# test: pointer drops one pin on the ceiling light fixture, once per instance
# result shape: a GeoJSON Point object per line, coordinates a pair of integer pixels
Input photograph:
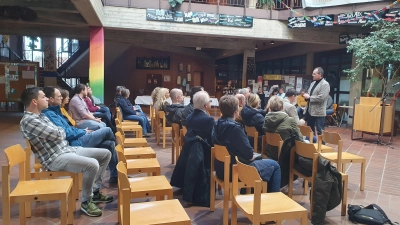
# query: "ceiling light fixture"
{"type": "Point", "coordinates": [256, 47]}
{"type": "Point", "coordinates": [272, 42]}
{"type": "Point", "coordinates": [198, 48]}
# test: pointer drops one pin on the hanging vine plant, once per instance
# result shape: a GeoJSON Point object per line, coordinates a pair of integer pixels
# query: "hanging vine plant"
{"type": "Point", "coordinates": [175, 3]}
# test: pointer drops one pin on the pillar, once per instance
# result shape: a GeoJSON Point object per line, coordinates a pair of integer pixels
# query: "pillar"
{"type": "Point", "coordinates": [310, 63]}
{"type": "Point", "coordinates": [355, 90]}
{"type": "Point", "coordinates": [252, 4]}
{"type": "Point", "coordinates": [249, 59]}
{"type": "Point", "coordinates": [49, 60]}
{"type": "Point", "coordinates": [96, 62]}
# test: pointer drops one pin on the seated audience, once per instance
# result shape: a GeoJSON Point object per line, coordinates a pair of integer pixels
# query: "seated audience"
{"type": "Point", "coordinates": [289, 108]}
{"type": "Point", "coordinates": [80, 112]}
{"type": "Point", "coordinates": [100, 112]}
{"type": "Point", "coordinates": [301, 103]}
{"type": "Point", "coordinates": [277, 121]}
{"type": "Point", "coordinates": [162, 102]}
{"type": "Point", "coordinates": [190, 107]}
{"type": "Point", "coordinates": [101, 138]}
{"type": "Point", "coordinates": [153, 96]}
{"type": "Point", "coordinates": [192, 170]}
{"type": "Point", "coordinates": [54, 153]}
{"type": "Point", "coordinates": [245, 92]}
{"type": "Point", "coordinates": [117, 95]}
{"type": "Point", "coordinates": [329, 105]}
{"type": "Point", "coordinates": [242, 103]}
{"type": "Point", "coordinates": [174, 111]}
{"type": "Point", "coordinates": [65, 101]}
{"type": "Point", "coordinates": [131, 112]}
{"type": "Point", "coordinates": [229, 133]}
{"type": "Point", "coordinates": [281, 92]}
{"type": "Point", "coordinates": [261, 95]}
{"type": "Point", "coordinates": [252, 117]}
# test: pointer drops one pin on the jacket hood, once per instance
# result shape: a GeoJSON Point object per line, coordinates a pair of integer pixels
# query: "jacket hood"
{"type": "Point", "coordinates": [274, 119]}
{"type": "Point", "coordinates": [247, 112]}
{"type": "Point", "coordinates": [223, 127]}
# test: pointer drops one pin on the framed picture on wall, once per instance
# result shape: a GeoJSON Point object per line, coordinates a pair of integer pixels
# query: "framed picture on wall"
{"type": "Point", "coordinates": [152, 63]}
{"type": "Point", "coordinates": [188, 68]}
{"type": "Point", "coordinates": [167, 78]}
{"type": "Point", "coordinates": [189, 77]}
{"type": "Point", "coordinates": [180, 67]}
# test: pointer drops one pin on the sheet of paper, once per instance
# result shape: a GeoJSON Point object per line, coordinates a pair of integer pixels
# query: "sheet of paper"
{"type": "Point", "coordinates": [292, 80]}
{"type": "Point", "coordinates": [299, 84]}
{"type": "Point", "coordinates": [287, 79]}
{"type": "Point", "coordinates": [13, 68]}
{"type": "Point", "coordinates": [28, 75]}
{"type": "Point", "coordinates": [2, 79]}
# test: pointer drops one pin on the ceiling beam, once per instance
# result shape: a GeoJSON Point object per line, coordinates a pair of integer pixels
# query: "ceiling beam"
{"type": "Point", "coordinates": [65, 18]}
{"type": "Point", "coordinates": [91, 10]}
{"type": "Point", "coordinates": [44, 4]}
{"type": "Point", "coordinates": [174, 49]}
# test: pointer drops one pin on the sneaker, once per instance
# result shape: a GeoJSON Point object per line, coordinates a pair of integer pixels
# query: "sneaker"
{"type": "Point", "coordinates": [146, 135]}
{"type": "Point", "coordinates": [99, 197]}
{"type": "Point", "coordinates": [90, 209]}
{"type": "Point", "coordinates": [113, 180]}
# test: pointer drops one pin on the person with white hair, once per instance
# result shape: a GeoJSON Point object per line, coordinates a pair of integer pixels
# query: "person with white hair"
{"type": "Point", "coordinates": [245, 92]}
{"type": "Point", "coordinates": [174, 111]}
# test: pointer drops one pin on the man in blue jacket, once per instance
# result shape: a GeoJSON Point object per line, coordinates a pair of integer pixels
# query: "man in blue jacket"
{"type": "Point", "coordinates": [102, 137]}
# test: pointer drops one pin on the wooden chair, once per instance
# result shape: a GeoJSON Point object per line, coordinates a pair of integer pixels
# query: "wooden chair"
{"type": "Point", "coordinates": [136, 166]}
{"type": "Point", "coordinates": [175, 139]}
{"type": "Point", "coordinates": [333, 118]}
{"type": "Point", "coordinates": [165, 212]}
{"type": "Point", "coordinates": [137, 129]}
{"type": "Point", "coordinates": [131, 142]}
{"type": "Point", "coordinates": [163, 127]}
{"type": "Point", "coordinates": [307, 131]}
{"type": "Point", "coordinates": [142, 187]}
{"type": "Point", "coordinates": [273, 139]}
{"type": "Point", "coordinates": [307, 150]}
{"type": "Point", "coordinates": [340, 157]}
{"type": "Point", "coordinates": [33, 190]}
{"type": "Point", "coordinates": [135, 153]}
{"type": "Point", "coordinates": [252, 132]}
{"type": "Point", "coordinates": [221, 154]}
{"type": "Point", "coordinates": [120, 117]}
{"type": "Point", "coordinates": [260, 206]}
{"type": "Point", "coordinates": [152, 116]}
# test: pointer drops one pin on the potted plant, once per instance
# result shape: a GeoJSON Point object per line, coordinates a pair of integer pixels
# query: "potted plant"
{"type": "Point", "coordinates": [266, 4]}
{"type": "Point", "coordinates": [174, 3]}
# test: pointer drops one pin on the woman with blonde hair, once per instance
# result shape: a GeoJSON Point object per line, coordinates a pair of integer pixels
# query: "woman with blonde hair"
{"type": "Point", "coordinates": [163, 95]}
{"type": "Point", "coordinates": [154, 94]}
{"type": "Point", "coordinates": [252, 116]}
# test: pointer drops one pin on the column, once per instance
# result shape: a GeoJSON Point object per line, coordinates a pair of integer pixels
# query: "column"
{"type": "Point", "coordinates": [249, 59]}
{"type": "Point", "coordinates": [49, 60]}
{"type": "Point", "coordinates": [96, 61]}
{"type": "Point", "coordinates": [355, 90]}
{"type": "Point", "coordinates": [310, 63]}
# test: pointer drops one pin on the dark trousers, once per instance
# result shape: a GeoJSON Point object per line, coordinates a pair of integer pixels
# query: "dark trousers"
{"type": "Point", "coordinates": [314, 121]}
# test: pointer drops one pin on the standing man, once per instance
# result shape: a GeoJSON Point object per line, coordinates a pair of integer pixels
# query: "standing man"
{"type": "Point", "coordinates": [80, 112]}
{"type": "Point", "coordinates": [174, 111]}
{"type": "Point", "coordinates": [317, 97]}
{"type": "Point", "coordinates": [54, 153]}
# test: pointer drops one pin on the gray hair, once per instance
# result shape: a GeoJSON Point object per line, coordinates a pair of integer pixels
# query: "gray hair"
{"type": "Point", "coordinates": [320, 70]}
{"type": "Point", "coordinates": [275, 103]}
{"type": "Point", "coordinates": [243, 91]}
{"type": "Point", "coordinates": [200, 99]}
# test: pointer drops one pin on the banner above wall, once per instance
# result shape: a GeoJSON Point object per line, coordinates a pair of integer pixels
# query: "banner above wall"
{"type": "Point", "coordinates": [327, 3]}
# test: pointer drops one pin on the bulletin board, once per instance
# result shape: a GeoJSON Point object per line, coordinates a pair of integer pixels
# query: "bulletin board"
{"type": "Point", "coordinates": [14, 78]}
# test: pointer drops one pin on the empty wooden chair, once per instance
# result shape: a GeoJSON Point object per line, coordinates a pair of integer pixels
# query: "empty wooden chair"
{"type": "Point", "coordinates": [162, 126]}
{"type": "Point", "coordinates": [252, 132]}
{"type": "Point", "coordinates": [260, 206]}
{"type": "Point", "coordinates": [340, 157]}
{"type": "Point", "coordinates": [220, 153]}
{"type": "Point", "coordinates": [168, 212]}
{"type": "Point", "coordinates": [131, 142]}
{"type": "Point", "coordinates": [135, 153]}
{"type": "Point", "coordinates": [307, 150]}
{"type": "Point", "coordinates": [175, 139]}
{"type": "Point", "coordinates": [137, 129]}
{"type": "Point", "coordinates": [135, 166]}
{"type": "Point", "coordinates": [33, 190]}
{"type": "Point", "coordinates": [308, 132]}
{"type": "Point", "coordinates": [272, 139]}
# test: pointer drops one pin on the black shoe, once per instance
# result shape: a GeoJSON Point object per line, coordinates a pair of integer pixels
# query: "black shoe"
{"type": "Point", "coordinates": [113, 180]}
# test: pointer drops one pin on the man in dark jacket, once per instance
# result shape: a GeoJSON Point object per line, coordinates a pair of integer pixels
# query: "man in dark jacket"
{"type": "Point", "coordinates": [174, 111]}
{"type": "Point", "coordinates": [102, 137]}
{"type": "Point", "coordinates": [190, 107]}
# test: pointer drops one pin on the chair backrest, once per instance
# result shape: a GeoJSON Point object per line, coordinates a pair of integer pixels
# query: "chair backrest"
{"type": "Point", "coordinates": [120, 116]}
{"type": "Point", "coordinates": [273, 139]}
{"type": "Point", "coordinates": [120, 154]}
{"type": "Point", "coordinates": [306, 131]}
{"type": "Point", "coordinates": [335, 139]}
{"type": "Point", "coordinates": [305, 150]}
{"type": "Point", "coordinates": [120, 138]}
{"type": "Point", "coordinates": [175, 132]}
{"type": "Point", "coordinates": [15, 155]}
{"type": "Point", "coordinates": [334, 108]}
{"type": "Point", "coordinates": [119, 129]}
{"type": "Point", "coordinates": [184, 129]}
{"type": "Point", "coordinates": [117, 121]}
{"type": "Point", "coordinates": [221, 154]}
{"type": "Point", "coordinates": [161, 115]}
{"type": "Point", "coordinates": [252, 132]}
{"type": "Point", "coordinates": [124, 193]}
{"type": "Point", "coordinates": [152, 113]}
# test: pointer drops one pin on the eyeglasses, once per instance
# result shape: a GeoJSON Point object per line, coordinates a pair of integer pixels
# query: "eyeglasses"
{"type": "Point", "coordinates": [210, 101]}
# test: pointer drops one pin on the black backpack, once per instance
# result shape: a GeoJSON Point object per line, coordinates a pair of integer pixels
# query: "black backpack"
{"type": "Point", "coordinates": [370, 215]}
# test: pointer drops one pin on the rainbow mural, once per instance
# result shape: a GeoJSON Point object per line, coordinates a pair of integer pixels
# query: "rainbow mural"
{"type": "Point", "coordinates": [96, 62]}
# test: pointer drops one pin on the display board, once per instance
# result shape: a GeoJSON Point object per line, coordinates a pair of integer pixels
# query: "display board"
{"type": "Point", "coordinates": [14, 78]}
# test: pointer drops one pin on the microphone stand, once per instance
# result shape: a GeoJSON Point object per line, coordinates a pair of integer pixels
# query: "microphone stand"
{"type": "Point", "coordinates": [383, 101]}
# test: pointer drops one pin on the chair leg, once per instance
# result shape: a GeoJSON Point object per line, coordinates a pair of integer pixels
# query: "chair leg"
{"type": "Point", "coordinates": [173, 151]}
{"type": "Point", "coordinates": [290, 185]}
{"type": "Point", "coordinates": [170, 195]}
{"type": "Point", "coordinates": [22, 219]}
{"type": "Point", "coordinates": [212, 195]}
{"type": "Point", "coordinates": [345, 180]}
{"type": "Point", "coordinates": [304, 219]}
{"type": "Point", "coordinates": [63, 210]}
{"type": "Point", "coordinates": [278, 222]}
{"type": "Point", "coordinates": [305, 189]}
{"type": "Point", "coordinates": [233, 213]}
{"type": "Point", "coordinates": [71, 206]}
{"type": "Point", "coordinates": [226, 206]}
{"type": "Point", "coordinates": [363, 164]}
{"type": "Point", "coordinates": [163, 141]}
{"type": "Point", "coordinates": [28, 209]}
{"type": "Point", "coordinates": [6, 208]}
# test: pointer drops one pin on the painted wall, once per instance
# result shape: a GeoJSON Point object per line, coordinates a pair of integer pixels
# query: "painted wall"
{"type": "Point", "coordinates": [123, 72]}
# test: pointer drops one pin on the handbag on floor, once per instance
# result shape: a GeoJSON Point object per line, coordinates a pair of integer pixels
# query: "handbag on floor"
{"type": "Point", "coordinates": [370, 215]}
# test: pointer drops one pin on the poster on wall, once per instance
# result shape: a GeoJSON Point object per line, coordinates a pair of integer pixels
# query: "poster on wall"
{"type": "Point", "coordinates": [327, 3]}
{"type": "Point", "coordinates": [178, 80]}
{"type": "Point", "coordinates": [292, 80]}
{"type": "Point", "coordinates": [147, 63]}
{"type": "Point", "coordinates": [299, 83]}
{"type": "Point", "coordinates": [259, 79]}
{"type": "Point", "coordinates": [189, 77]}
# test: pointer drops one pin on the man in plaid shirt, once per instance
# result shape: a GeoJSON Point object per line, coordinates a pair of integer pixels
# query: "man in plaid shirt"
{"type": "Point", "coordinates": [54, 153]}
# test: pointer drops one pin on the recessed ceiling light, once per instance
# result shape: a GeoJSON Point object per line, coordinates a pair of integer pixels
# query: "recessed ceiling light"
{"type": "Point", "coordinates": [272, 42]}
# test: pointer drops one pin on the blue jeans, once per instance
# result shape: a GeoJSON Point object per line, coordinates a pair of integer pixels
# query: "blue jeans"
{"type": "Point", "coordinates": [91, 162]}
{"type": "Point", "coordinates": [105, 115]}
{"type": "Point", "coordinates": [300, 112]}
{"type": "Point", "coordinates": [314, 121]}
{"type": "Point", "coordinates": [91, 125]}
{"type": "Point", "coordinates": [269, 171]}
{"type": "Point", "coordinates": [102, 138]}
{"type": "Point", "coordinates": [140, 119]}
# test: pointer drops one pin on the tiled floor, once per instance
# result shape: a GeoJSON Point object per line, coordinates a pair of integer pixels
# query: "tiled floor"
{"type": "Point", "coordinates": [381, 185]}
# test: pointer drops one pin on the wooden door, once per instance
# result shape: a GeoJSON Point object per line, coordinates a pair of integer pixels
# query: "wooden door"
{"type": "Point", "coordinates": [197, 79]}
{"type": "Point", "coordinates": [153, 81]}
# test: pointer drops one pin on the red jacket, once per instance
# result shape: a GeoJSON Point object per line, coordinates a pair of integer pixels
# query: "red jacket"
{"type": "Point", "coordinates": [89, 103]}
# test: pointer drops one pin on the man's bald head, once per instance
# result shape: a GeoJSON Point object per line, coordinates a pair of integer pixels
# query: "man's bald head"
{"type": "Point", "coordinates": [176, 96]}
{"type": "Point", "coordinates": [242, 99]}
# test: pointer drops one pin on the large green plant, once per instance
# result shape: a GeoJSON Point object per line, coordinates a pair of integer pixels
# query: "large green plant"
{"type": "Point", "coordinates": [377, 51]}
{"type": "Point", "coordinates": [173, 3]}
{"type": "Point", "coordinates": [268, 4]}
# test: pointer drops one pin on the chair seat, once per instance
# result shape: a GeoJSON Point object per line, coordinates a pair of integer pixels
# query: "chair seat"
{"type": "Point", "coordinates": [324, 148]}
{"type": "Point", "coordinates": [135, 166]}
{"type": "Point", "coordinates": [346, 157]}
{"type": "Point", "coordinates": [158, 212]}
{"type": "Point", "coordinates": [41, 189]}
{"type": "Point", "coordinates": [127, 127]}
{"type": "Point", "coordinates": [127, 122]}
{"type": "Point", "coordinates": [139, 153]}
{"type": "Point", "coordinates": [135, 142]}
{"type": "Point", "coordinates": [149, 186]}
{"type": "Point", "coordinates": [271, 203]}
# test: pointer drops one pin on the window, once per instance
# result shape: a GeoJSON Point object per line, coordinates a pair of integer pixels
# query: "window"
{"type": "Point", "coordinates": [33, 49]}
{"type": "Point", "coordinates": [65, 48]}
